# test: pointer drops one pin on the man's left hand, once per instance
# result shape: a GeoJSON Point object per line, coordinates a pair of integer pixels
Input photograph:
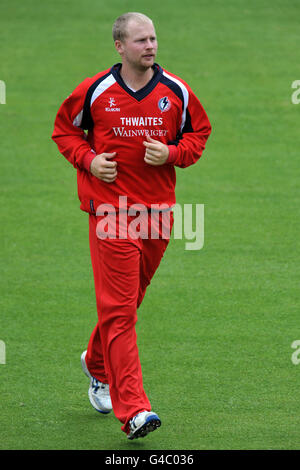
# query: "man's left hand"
{"type": "Point", "coordinates": [156, 152]}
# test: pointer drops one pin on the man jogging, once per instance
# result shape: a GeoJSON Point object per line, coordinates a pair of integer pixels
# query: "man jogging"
{"type": "Point", "coordinates": [125, 130]}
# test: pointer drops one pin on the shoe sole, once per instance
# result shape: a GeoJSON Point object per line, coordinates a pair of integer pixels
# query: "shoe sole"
{"type": "Point", "coordinates": [151, 424]}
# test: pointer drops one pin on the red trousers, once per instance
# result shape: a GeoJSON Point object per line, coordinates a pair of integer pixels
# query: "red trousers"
{"type": "Point", "coordinates": [123, 268]}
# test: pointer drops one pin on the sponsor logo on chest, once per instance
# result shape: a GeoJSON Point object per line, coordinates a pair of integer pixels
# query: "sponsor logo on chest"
{"type": "Point", "coordinates": [135, 126]}
{"type": "Point", "coordinates": [140, 126]}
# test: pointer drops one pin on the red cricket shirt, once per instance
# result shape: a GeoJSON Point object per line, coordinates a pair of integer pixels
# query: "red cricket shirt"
{"type": "Point", "coordinates": [118, 119]}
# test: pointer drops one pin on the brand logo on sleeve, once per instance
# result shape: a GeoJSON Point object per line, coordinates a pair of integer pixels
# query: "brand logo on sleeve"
{"type": "Point", "coordinates": [164, 104]}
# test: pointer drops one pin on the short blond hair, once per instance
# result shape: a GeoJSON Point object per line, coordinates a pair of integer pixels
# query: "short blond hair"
{"type": "Point", "coordinates": [119, 29]}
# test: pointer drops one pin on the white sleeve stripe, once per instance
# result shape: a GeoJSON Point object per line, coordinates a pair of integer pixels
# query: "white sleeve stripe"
{"type": "Point", "coordinates": [185, 94]}
{"type": "Point", "coordinates": [78, 120]}
{"type": "Point", "coordinates": [103, 86]}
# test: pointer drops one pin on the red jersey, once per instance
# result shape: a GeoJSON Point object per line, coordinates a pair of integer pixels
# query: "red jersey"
{"type": "Point", "coordinates": [117, 119]}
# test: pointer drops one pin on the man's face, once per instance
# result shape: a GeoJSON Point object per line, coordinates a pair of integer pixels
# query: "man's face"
{"type": "Point", "coordinates": [139, 47]}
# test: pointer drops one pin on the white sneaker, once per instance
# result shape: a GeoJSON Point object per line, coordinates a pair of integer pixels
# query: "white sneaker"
{"type": "Point", "coordinates": [98, 392]}
{"type": "Point", "coordinates": [143, 423]}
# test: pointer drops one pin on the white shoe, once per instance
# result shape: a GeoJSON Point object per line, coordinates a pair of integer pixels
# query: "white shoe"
{"type": "Point", "coordinates": [98, 392]}
{"type": "Point", "coordinates": [143, 423]}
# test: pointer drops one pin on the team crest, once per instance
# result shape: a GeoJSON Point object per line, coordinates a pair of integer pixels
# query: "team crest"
{"type": "Point", "coordinates": [164, 104]}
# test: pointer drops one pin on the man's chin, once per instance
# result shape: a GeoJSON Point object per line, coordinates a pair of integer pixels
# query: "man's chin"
{"type": "Point", "coordinates": [147, 63]}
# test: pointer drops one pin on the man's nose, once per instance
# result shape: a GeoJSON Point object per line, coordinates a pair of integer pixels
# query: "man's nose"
{"type": "Point", "coordinates": [149, 44]}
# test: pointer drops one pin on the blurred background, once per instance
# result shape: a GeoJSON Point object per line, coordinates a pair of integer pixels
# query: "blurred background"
{"type": "Point", "coordinates": [216, 327]}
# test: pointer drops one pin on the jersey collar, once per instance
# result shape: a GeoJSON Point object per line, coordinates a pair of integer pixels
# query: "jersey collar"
{"type": "Point", "coordinates": [143, 92]}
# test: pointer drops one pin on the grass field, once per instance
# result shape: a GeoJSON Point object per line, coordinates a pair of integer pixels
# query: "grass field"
{"type": "Point", "coordinates": [216, 327]}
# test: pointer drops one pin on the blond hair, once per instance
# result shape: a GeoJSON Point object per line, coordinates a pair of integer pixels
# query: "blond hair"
{"type": "Point", "coordinates": [119, 29]}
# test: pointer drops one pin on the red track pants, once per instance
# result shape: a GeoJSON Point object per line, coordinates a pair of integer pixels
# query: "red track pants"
{"type": "Point", "coordinates": [123, 268]}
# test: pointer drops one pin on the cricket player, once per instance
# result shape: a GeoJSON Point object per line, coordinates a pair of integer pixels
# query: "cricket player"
{"type": "Point", "coordinates": [125, 130]}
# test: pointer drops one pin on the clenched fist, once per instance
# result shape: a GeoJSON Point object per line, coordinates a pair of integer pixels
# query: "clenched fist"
{"type": "Point", "coordinates": [156, 152]}
{"type": "Point", "coordinates": [103, 168]}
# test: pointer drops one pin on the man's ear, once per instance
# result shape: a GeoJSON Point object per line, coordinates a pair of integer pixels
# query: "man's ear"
{"type": "Point", "coordinates": [119, 46]}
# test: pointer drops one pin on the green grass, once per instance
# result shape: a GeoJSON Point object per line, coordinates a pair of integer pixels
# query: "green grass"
{"type": "Point", "coordinates": [216, 327]}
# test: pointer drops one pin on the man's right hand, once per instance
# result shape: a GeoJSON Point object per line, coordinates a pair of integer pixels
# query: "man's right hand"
{"type": "Point", "coordinates": [103, 168]}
